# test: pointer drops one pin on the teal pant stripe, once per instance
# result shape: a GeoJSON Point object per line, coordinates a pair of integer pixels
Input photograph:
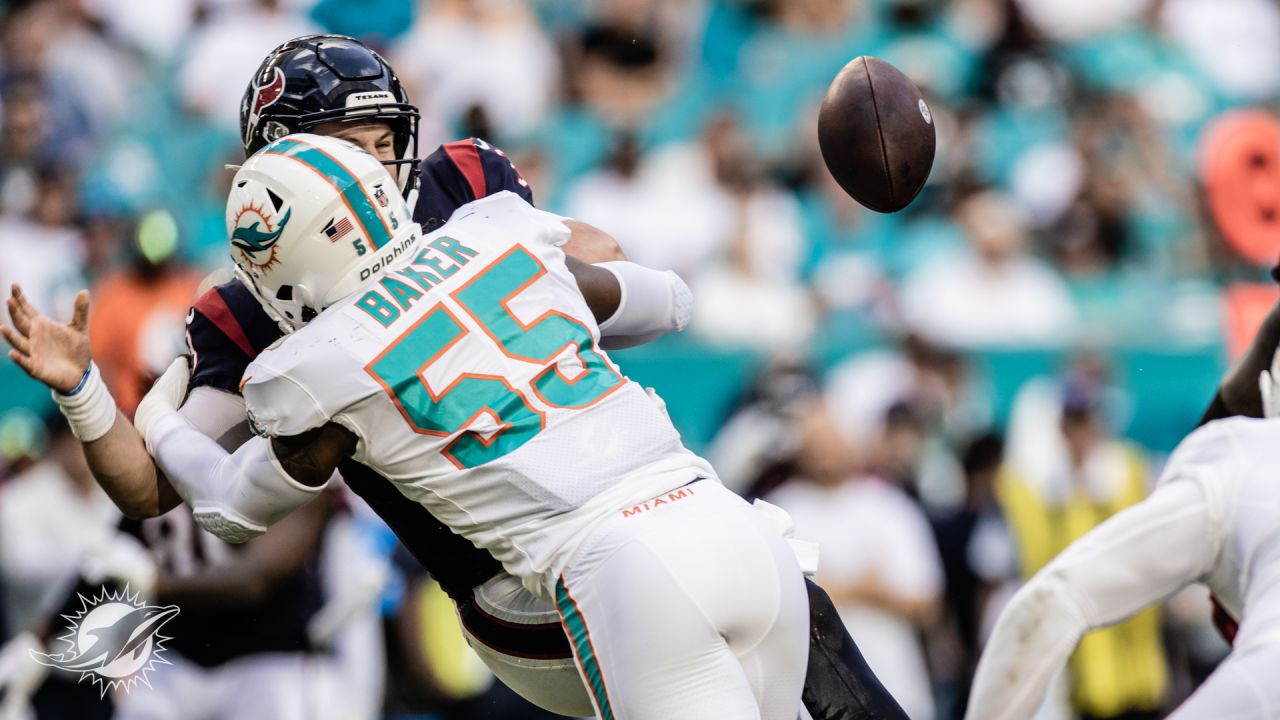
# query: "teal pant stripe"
{"type": "Point", "coordinates": [578, 635]}
{"type": "Point", "coordinates": [342, 179]}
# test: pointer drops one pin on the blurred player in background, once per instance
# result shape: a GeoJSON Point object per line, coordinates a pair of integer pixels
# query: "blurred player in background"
{"type": "Point", "coordinates": [1211, 519]}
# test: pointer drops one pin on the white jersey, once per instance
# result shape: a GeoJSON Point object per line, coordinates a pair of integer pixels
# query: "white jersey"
{"type": "Point", "coordinates": [471, 372]}
{"type": "Point", "coordinates": [1235, 462]}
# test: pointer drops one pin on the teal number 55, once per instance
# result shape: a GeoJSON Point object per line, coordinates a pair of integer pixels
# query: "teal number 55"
{"type": "Point", "coordinates": [486, 299]}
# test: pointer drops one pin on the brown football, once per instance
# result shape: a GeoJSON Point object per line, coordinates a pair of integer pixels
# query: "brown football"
{"type": "Point", "coordinates": [876, 134]}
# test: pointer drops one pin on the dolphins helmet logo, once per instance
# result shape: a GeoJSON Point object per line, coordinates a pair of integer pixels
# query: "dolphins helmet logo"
{"type": "Point", "coordinates": [254, 235]}
{"type": "Point", "coordinates": [266, 91]}
{"type": "Point", "coordinates": [114, 641]}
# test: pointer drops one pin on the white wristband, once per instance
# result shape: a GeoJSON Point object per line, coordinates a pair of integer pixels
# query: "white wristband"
{"type": "Point", "coordinates": [89, 409]}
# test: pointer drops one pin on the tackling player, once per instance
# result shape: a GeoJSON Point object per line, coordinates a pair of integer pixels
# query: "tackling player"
{"type": "Point", "coordinates": [465, 368]}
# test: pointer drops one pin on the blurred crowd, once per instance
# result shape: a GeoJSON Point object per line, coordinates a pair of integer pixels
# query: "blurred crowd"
{"type": "Point", "coordinates": [1063, 215]}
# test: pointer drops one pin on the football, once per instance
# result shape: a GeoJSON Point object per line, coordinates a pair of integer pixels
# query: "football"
{"type": "Point", "coordinates": [876, 134]}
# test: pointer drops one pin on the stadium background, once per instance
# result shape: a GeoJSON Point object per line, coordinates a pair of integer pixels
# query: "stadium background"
{"type": "Point", "coordinates": [1065, 194]}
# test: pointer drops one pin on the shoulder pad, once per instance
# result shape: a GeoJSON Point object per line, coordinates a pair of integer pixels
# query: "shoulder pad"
{"type": "Point", "coordinates": [226, 329]}
{"type": "Point", "coordinates": [510, 208]}
{"type": "Point", "coordinates": [300, 383]}
{"type": "Point", "coordinates": [461, 172]}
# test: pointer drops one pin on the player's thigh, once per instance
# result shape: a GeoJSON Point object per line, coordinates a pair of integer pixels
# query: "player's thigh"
{"type": "Point", "coordinates": [775, 663]}
{"type": "Point", "coordinates": [1243, 687]}
{"type": "Point", "coordinates": [649, 653]}
{"type": "Point", "coordinates": [520, 639]}
{"type": "Point", "coordinates": [685, 592]}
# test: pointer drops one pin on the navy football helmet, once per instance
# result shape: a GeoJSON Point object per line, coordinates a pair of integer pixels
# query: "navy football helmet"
{"type": "Point", "coordinates": [320, 78]}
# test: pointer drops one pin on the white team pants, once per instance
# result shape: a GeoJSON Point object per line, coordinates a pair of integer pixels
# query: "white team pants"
{"type": "Point", "coordinates": [687, 607]}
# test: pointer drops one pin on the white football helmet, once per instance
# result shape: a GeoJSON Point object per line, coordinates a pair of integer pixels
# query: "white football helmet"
{"type": "Point", "coordinates": [310, 219]}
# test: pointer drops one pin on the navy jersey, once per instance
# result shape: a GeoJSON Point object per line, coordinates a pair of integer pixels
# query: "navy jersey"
{"type": "Point", "coordinates": [227, 328]}
{"type": "Point", "coordinates": [460, 172]}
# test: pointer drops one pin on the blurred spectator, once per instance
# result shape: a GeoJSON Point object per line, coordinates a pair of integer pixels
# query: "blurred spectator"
{"type": "Point", "coordinates": [1247, 65]}
{"type": "Point", "coordinates": [224, 52]}
{"type": "Point", "coordinates": [50, 515]}
{"type": "Point", "coordinates": [136, 320]}
{"type": "Point", "coordinates": [705, 211]}
{"type": "Point", "coordinates": [1058, 484]}
{"type": "Point", "coordinates": [489, 54]}
{"type": "Point", "coordinates": [933, 380]}
{"type": "Point", "coordinates": [996, 294]}
{"type": "Point", "coordinates": [879, 562]}
{"type": "Point", "coordinates": [24, 138]}
{"type": "Point", "coordinates": [978, 558]}
{"type": "Point", "coordinates": [620, 64]}
{"type": "Point", "coordinates": [44, 252]}
{"type": "Point", "coordinates": [1078, 19]}
{"type": "Point", "coordinates": [756, 447]}
{"type": "Point", "coordinates": [158, 29]}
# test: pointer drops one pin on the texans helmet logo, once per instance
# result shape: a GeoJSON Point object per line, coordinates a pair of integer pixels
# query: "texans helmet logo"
{"type": "Point", "coordinates": [264, 95]}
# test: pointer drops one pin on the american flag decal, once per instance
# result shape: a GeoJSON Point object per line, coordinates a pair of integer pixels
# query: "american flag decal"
{"type": "Point", "coordinates": [335, 231]}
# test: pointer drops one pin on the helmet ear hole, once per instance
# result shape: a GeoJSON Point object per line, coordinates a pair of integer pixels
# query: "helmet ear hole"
{"type": "Point", "coordinates": [285, 293]}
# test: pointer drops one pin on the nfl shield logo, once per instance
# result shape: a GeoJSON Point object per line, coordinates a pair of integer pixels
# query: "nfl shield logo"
{"type": "Point", "coordinates": [381, 196]}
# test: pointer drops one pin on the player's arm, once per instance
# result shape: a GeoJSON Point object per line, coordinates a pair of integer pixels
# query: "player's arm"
{"type": "Point", "coordinates": [237, 496]}
{"type": "Point", "coordinates": [59, 356]}
{"type": "Point", "coordinates": [256, 571]}
{"type": "Point", "coordinates": [1138, 557]}
{"type": "Point", "coordinates": [632, 304]}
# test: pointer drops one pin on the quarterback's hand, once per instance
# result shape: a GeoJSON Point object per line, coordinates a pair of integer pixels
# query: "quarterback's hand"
{"type": "Point", "coordinates": [167, 394]}
{"type": "Point", "coordinates": [1269, 387]}
{"type": "Point", "coordinates": [55, 354]}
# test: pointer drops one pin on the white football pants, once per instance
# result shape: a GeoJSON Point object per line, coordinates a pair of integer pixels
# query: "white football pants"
{"type": "Point", "coordinates": [686, 607]}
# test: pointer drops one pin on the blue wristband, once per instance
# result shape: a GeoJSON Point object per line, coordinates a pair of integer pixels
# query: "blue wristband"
{"type": "Point", "coordinates": [80, 385]}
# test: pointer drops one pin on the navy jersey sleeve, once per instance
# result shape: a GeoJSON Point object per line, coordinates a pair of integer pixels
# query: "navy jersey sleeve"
{"type": "Point", "coordinates": [226, 330]}
{"type": "Point", "coordinates": [458, 173]}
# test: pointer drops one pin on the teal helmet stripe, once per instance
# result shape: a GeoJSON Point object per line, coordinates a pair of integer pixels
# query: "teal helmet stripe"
{"type": "Point", "coordinates": [342, 179]}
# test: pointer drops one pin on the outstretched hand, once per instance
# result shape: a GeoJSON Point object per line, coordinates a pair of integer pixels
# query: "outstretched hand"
{"type": "Point", "coordinates": [55, 354]}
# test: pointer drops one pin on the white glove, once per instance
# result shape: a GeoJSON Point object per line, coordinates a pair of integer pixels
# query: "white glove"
{"type": "Point", "coordinates": [166, 395]}
{"type": "Point", "coordinates": [20, 675]}
{"type": "Point", "coordinates": [1269, 387]}
{"type": "Point", "coordinates": [122, 559]}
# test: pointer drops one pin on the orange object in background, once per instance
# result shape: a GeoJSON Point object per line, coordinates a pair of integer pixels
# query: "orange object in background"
{"type": "Point", "coordinates": [1240, 170]}
{"type": "Point", "coordinates": [1245, 306]}
{"type": "Point", "coordinates": [137, 325]}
